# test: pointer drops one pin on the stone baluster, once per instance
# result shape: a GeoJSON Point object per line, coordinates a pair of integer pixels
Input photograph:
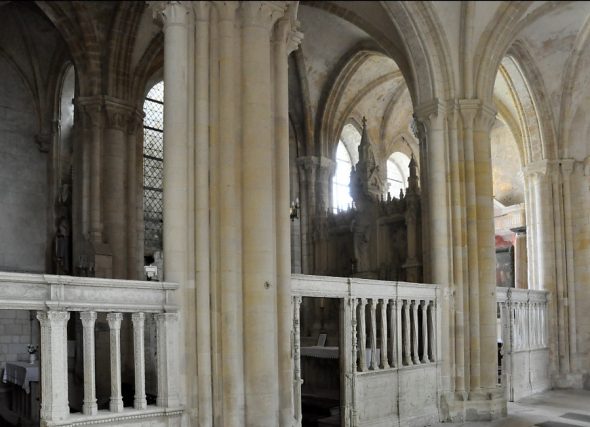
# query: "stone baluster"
{"type": "Point", "coordinates": [384, 334]}
{"type": "Point", "coordinates": [297, 381]}
{"type": "Point", "coordinates": [424, 332]}
{"type": "Point", "coordinates": [89, 407]}
{"type": "Point", "coordinates": [533, 324]}
{"type": "Point", "coordinates": [167, 349]}
{"type": "Point", "coordinates": [431, 308]}
{"type": "Point", "coordinates": [116, 402]}
{"type": "Point", "coordinates": [138, 320]}
{"type": "Point", "coordinates": [362, 336]}
{"type": "Point", "coordinates": [354, 335]}
{"type": "Point", "coordinates": [54, 365]}
{"type": "Point", "coordinates": [415, 356]}
{"type": "Point", "coordinates": [393, 331]}
{"type": "Point", "coordinates": [373, 338]}
{"type": "Point", "coordinates": [407, 360]}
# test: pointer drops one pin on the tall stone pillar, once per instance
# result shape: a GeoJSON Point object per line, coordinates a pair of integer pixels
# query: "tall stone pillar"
{"type": "Point", "coordinates": [459, 248]}
{"type": "Point", "coordinates": [202, 209]}
{"type": "Point", "coordinates": [115, 184]}
{"type": "Point", "coordinates": [520, 258]}
{"type": "Point", "coordinates": [285, 39]}
{"type": "Point", "coordinates": [175, 18]}
{"type": "Point", "coordinates": [259, 247]}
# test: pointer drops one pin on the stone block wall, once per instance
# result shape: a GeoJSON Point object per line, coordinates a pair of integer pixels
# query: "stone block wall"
{"type": "Point", "coordinates": [15, 335]}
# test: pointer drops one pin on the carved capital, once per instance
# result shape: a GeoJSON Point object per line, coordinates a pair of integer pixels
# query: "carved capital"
{"type": "Point", "coordinates": [91, 111]}
{"type": "Point", "coordinates": [536, 169]}
{"type": "Point", "coordinates": [226, 10]}
{"type": "Point", "coordinates": [138, 320]}
{"type": "Point", "coordinates": [114, 320]}
{"type": "Point", "coordinates": [261, 13]}
{"type": "Point", "coordinates": [88, 318]}
{"type": "Point", "coordinates": [566, 166]}
{"type": "Point", "coordinates": [135, 122]}
{"type": "Point", "coordinates": [477, 115]}
{"type": "Point", "coordinates": [53, 318]}
{"type": "Point", "coordinates": [170, 13]}
{"type": "Point", "coordinates": [202, 10]}
{"type": "Point", "coordinates": [116, 117]}
{"type": "Point", "coordinates": [287, 31]}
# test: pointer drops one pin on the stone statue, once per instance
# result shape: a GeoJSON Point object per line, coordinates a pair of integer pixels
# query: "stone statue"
{"type": "Point", "coordinates": [62, 247]}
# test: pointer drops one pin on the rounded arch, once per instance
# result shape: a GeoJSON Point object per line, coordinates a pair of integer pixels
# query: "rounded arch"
{"type": "Point", "coordinates": [535, 115]}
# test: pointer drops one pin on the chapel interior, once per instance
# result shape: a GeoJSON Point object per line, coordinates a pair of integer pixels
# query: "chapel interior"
{"type": "Point", "coordinates": [292, 213]}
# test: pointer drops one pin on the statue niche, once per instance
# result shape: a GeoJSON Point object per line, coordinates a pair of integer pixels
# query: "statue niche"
{"type": "Point", "coordinates": [376, 238]}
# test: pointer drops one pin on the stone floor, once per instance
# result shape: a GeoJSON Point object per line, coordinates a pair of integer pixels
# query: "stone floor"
{"type": "Point", "coordinates": [555, 408]}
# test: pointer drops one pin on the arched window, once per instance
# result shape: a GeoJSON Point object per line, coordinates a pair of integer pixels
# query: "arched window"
{"type": "Point", "coordinates": [397, 173]}
{"type": "Point", "coordinates": [153, 168]}
{"type": "Point", "coordinates": [340, 184]}
{"type": "Point", "coordinates": [346, 157]}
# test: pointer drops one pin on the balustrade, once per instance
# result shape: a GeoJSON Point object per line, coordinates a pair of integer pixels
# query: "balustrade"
{"type": "Point", "coordinates": [120, 300]}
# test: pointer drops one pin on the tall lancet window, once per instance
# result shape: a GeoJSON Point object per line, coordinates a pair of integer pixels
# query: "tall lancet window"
{"type": "Point", "coordinates": [153, 168]}
{"type": "Point", "coordinates": [346, 157]}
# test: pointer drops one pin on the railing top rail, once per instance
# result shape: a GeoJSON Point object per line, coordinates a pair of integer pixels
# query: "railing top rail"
{"type": "Point", "coordinates": [50, 292]}
{"type": "Point", "coordinates": [521, 295]}
{"type": "Point", "coordinates": [342, 287]}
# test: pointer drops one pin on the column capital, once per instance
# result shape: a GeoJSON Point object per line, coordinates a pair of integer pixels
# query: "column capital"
{"type": "Point", "coordinates": [538, 168]}
{"type": "Point", "coordinates": [170, 13]}
{"type": "Point", "coordinates": [114, 320]}
{"type": "Point", "coordinates": [53, 317]}
{"type": "Point", "coordinates": [287, 31]}
{"type": "Point", "coordinates": [429, 111]}
{"type": "Point", "coordinates": [117, 114]}
{"type": "Point", "coordinates": [566, 166]}
{"type": "Point", "coordinates": [88, 318]}
{"type": "Point", "coordinates": [226, 9]}
{"type": "Point", "coordinates": [91, 110]}
{"type": "Point", "coordinates": [202, 9]}
{"type": "Point", "coordinates": [138, 319]}
{"type": "Point", "coordinates": [261, 13]}
{"type": "Point", "coordinates": [477, 114]}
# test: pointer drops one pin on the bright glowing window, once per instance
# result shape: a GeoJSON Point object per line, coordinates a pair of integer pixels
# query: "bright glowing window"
{"type": "Point", "coordinates": [397, 173]}
{"type": "Point", "coordinates": [153, 168]}
{"type": "Point", "coordinates": [340, 183]}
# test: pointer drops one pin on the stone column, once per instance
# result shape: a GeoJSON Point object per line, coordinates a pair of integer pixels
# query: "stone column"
{"type": "Point", "coordinates": [415, 332]}
{"type": "Point", "coordinates": [138, 320]}
{"type": "Point", "coordinates": [88, 319]}
{"type": "Point", "coordinates": [374, 362]}
{"type": "Point", "coordinates": [134, 197]}
{"type": "Point", "coordinates": [297, 381]}
{"type": "Point", "coordinates": [167, 351]}
{"type": "Point", "coordinates": [259, 255]}
{"type": "Point", "coordinates": [176, 23]}
{"type": "Point", "coordinates": [520, 258]}
{"type": "Point", "coordinates": [54, 365]}
{"type": "Point", "coordinates": [202, 211]}
{"type": "Point", "coordinates": [362, 335]}
{"type": "Point", "coordinates": [424, 331]}
{"type": "Point", "coordinates": [407, 349]}
{"type": "Point", "coordinates": [115, 184]}
{"type": "Point", "coordinates": [285, 40]}
{"type": "Point", "coordinates": [384, 335]}
{"type": "Point", "coordinates": [484, 120]}
{"type": "Point", "coordinates": [116, 401]}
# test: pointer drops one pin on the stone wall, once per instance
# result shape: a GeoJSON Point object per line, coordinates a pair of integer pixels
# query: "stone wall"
{"type": "Point", "coordinates": [23, 179]}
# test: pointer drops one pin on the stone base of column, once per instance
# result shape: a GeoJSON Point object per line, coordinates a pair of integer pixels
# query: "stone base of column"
{"type": "Point", "coordinates": [480, 406]}
{"type": "Point", "coordinates": [140, 403]}
{"type": "Point", "coordinates": [116, 405]}
{"type": "Point", "coordinates": [90, 408]}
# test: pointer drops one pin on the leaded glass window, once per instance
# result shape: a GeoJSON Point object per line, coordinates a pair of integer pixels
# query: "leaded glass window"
{"type": "Point", "coordinates": [153, 155]}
